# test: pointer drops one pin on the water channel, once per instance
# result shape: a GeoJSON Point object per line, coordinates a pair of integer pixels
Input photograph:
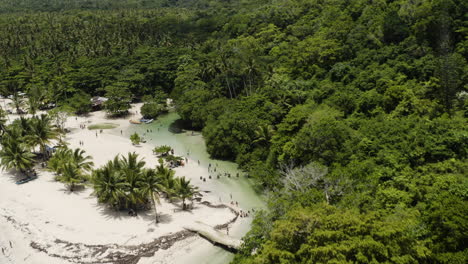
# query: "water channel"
{"type": "Point", "coordinates": [187, 143]}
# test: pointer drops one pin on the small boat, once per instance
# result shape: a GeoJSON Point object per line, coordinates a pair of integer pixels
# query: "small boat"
{"type": "Point", "coordinates": [146, 121]}
{"type": "Point", "coordinates": [136, 122]}
{"type": "Point", "coordinates": [27, 179]}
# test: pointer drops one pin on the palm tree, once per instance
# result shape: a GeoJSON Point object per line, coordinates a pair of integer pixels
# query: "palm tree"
{"type": "Point", "coordinates": [14, 155]}
{"type": "Point", "coordinates": [120, 182]}
{"type": "Point", "coordinates": [133, 192]}
{"type": "Point", "coordinates": [55, 163]}
{"type": "Point", "coordinates": [152, 185]}
{"type": "Point", "coordinates": [132, 168]}
{"type": "Point", "coordinates": [35, 97]}
{"type": "Point", "coordinates": [42, 132]}
{"type": "Point", "coordinates": [71, 175]}
{"type": "Point", "coordinates": [81, 161]}
{"type": "Point", "coordinates": [263, 134]}
{"type": "Point", "coordinates": [21, 126]}
{"type": "Point", "coordinates": [185, 191]}
{"type": "Point", "coordinates": [66, 156]}
{"type": "Point", "coordinates": [167, 179]}
{"type": "Point", "coordinates": [18, 102]}
{"type": "Point", "coordinates": [3, 120]}
{"type": "Point", "coordinates": [108, 185]}
{"type": "Point", "coordinates": [132, 163]}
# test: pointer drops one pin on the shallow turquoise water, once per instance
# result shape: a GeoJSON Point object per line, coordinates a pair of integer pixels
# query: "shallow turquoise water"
{"type": "Point", "coordinates": [186, 143]}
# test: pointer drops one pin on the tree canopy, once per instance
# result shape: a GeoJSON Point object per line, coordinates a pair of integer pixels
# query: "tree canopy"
{"type": "Point", "coordinates": [363, 104]}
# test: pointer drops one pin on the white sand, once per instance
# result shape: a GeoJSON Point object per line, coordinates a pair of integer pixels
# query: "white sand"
{"type": "Point", "coordinates": [43, 210]}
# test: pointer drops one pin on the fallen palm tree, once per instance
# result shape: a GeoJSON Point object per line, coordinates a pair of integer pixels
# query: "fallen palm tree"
{"type": "Point", "coordinates": [215, 236]}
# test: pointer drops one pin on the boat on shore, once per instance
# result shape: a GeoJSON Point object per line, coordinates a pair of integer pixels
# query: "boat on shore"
{"type": "Point", "coordinates": [27, 179]}
{"type": "Point", "coordinates": [136, 122]}
{"type": "Point", "coordinates": [146, 121]}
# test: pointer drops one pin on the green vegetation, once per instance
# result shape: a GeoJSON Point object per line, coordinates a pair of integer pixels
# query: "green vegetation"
{"type": "Point", "coordinates": [163, 150]}
{"type": "Point", "coordinates": [22, 137]}
{"type": "Point", "coordinates": [15, 155]}
{"type": "Point", "coordinates": [102, 126]}
{"type": "Point", "coordinates": [166, 153]}
{"type": "Point", "coordinates": [185, 191]}
{"type": "Point", "coordinates": [351, 115]}
{"type": "Point", "coordinates": [124, 183]}
{"type": "Point", "coordinates": [135, 138]}
{"type": "Point", "coordinates": [70, 166]}
{"type": "Point", "coordinates": [41, 132]}
{"type": "Point", "coordinates": [119, 99]}
{"type": "Point", "coordinates": [152, 110]}
{"type": "Point", "coordinates": [80, 103]}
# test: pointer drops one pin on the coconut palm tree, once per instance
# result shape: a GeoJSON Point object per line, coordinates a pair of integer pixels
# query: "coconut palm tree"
{"type": "Point", "coordinates": [131, 162]}
{"type": "Point", "coordinates": [108, 185]}
{"type": "Point", "coordinates": [132, 169]}
{"type": "Point", "coordinates": [71, 175]}
{"type": "Point", "coordinates": [14, 155]}
{"type": "Point", "coordinates": [133, 192]}
{"type": "Point", "coordinates": [35, 97]}
{"type": "Point", "coordinates": [152, 185]}
{"type": "Point", "coordinates": [120, 182]}
{"type": "Point", "coordinates": [64, 156]}
{"type": "Point", "coordinates": [185, 191]}
{"type": "Point", "coordinates": [21, 127]}
{"type": "Point", "coordinates": [263, 134]}
{"type": "Point", "coordinates": [17, 101]}
{"type": "Point", "coordinates": [82, 161]}
{"type": "Point", "coordinates": [42, 132]}
{"type": "Point", "coordinates": [55, 163]}
{"type": "Point", "coordinates": [167, 179]}
{"type": "Point", "coordinates": [135, 139]}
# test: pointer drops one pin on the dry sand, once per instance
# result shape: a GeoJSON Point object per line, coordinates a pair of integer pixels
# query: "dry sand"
{"type": "Point", "coordinates": [42, 222]}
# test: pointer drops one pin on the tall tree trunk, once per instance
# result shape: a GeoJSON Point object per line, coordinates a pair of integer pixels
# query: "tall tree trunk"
{"type": "Point", "coordinates": [44, 152]}
{"type": "Point", "coordinates": [155, 208]}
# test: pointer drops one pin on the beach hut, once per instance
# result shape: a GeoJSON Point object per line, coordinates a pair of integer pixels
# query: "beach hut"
{"type": "Point", "coordinates": [97, 102]}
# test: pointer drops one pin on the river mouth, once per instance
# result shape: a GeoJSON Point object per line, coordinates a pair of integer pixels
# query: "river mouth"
{"type": "Point", "coordinates": [231, 186]}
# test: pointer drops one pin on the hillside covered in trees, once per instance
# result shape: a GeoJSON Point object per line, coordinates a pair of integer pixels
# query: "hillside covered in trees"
{"type": "Point", "coordinates": [350, 115]}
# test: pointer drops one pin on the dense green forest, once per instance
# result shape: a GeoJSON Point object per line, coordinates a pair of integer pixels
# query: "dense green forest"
{"type": "Point", "coordinates": [350, 115]}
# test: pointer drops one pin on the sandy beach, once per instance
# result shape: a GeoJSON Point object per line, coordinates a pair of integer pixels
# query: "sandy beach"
{"type": "Point", "coordinates": [43, 222]}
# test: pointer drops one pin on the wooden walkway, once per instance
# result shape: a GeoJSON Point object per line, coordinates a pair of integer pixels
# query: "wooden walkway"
{"type": "Point", "coordinates": [214, 236]}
